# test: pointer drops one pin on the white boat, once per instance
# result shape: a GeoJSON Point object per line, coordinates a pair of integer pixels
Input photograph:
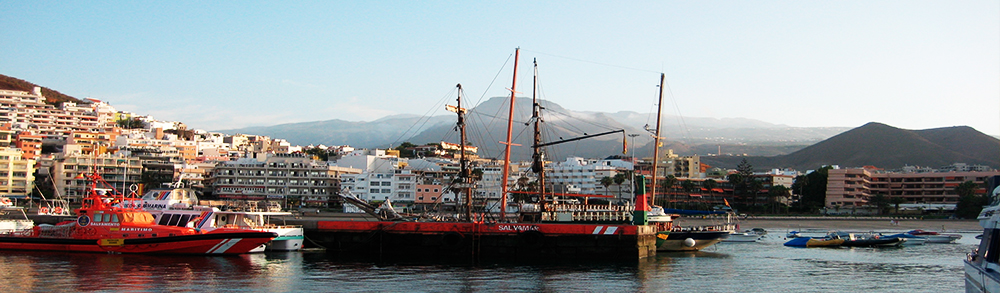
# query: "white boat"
{"type": "Point", "coordinates": [983, 263]}
{"type": "Point", "coordinates": [742, 237]}
{"type": "Point", "coordinates": [935, 237]}
{"type": "Point", "coordinates": [752, 235]}
{"type": "Point", "coordinates": [12, 218]}
{"type": "Point", "coordinates": [910, 239]}
{"type": "Point", "coordinates": [179, 207]}
{"type": "Point", "coordinates": [810, 232]}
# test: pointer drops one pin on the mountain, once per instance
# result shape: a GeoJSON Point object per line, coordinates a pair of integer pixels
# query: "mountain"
{"type": "Point", "coordinates": [51, 97]}
{"type": "Point", "coordinates": [487, 125]}
{"type": "Point", "coordinates": [884, 146]}
{"type": "Point", "coordinates": [379, 133]}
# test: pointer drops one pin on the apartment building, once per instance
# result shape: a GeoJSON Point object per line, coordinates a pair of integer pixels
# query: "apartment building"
{"type": "Point", "coordinates": [16, 173]}
{"type": "Point", "coordinates": [854, 187]}
{"type": "Point", "coordinates": [278, 176]}
{"type": "Point", "coordinates": [70, 166]}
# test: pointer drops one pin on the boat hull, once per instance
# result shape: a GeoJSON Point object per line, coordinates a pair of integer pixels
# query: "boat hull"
{"type": "Point", "coordinates": [886, 242]}
{"type": "Point", "coordinates": [742, 237]}
{"type": "Point", "coordinates": [214, 244]}
{"type": "Point", "coordinates": [979, 279]}
{"type": "Point", "coordinates": [472, 241]}
{"type": "Point", "coordinates": [688, 240]}
{"type": "Point", "coordinates": [289, 239]}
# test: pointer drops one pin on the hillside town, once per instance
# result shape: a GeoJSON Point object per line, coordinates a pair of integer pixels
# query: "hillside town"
{"type": "Point", "coordinates": [47, 150]}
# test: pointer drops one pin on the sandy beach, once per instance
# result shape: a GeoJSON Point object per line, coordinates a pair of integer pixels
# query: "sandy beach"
{"type": "Point", "coordinates": [847, 224]}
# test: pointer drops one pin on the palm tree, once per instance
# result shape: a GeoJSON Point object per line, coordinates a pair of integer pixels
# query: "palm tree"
{"type": "Point", "coordinates": [619, 179]}
{"type": "Point", "coordinates": [606, 182]}
{"type": "Point", "coordinates": [776, 192]}
{"type": "Point", "coordinates": [896, 200]}
{"type": "Point", "coordinates": [879, 201]}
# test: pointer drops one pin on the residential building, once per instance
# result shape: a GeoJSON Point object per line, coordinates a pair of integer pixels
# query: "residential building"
{"type": "Point", "coordinates": [16, 173]}
{"type": "Point", "coordinates": [278, 176]}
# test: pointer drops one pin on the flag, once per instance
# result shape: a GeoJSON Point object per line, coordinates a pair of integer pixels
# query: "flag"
{"type": "Point", "coordinates": [726, 201]}
{"type": "Point", "coordinates": [624, 146]}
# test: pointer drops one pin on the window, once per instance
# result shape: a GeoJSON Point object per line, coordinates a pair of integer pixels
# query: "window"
{"type": "Point", "coordinates": [373, 190]}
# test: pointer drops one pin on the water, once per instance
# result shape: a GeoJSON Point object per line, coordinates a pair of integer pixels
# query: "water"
{"type": "Point", "coordinates": [765, 266]}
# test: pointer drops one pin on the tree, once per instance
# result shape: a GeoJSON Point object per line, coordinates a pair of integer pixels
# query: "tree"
{"type": "Point", "coordinates": [778, 191]}
{"type": "Point", "coordinates": [606, 182]}
{"type": "Point", "coordinates": [812, 189]}
{"type": "Point", "coordinates": [969, 203]}
{"type": "Point", "coordinates": [322, 154]}
{"type": "Point", "coordinates": [895, 201]}
{"type": "Point", "coordinates": [745, 169]}
{"type": "Point", "coordinates": [619, 179]}
{"type": "Point", "coordinates": [880, 201]}
{"type": "Point", "coordinates": [405, 150]}
{"type": "Point", "coordinates": [130, 123]}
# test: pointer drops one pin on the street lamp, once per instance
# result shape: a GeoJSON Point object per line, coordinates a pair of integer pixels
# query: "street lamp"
{"type": "Point", "coordinates": [633, 135]}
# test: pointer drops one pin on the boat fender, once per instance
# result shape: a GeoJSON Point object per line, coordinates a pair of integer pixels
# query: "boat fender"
{"type": "Point", "coordinates": [689, 242]}
{"type": "Point", "coordinates": [451, 239]}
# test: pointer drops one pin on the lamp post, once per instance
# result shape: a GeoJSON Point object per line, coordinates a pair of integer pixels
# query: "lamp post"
{"type": "Point", "coordinates": [633, 135]}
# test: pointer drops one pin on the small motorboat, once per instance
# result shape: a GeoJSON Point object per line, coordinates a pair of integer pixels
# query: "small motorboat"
{"type": "Point", "coordinates": [814, 242]}
{"type": "Point", "coordinates": [910, 239]}
{"type": "Point", "coordinates": [935, 237]}
{"type": "Point", "coordinates": [752, 235]}
{"type": "Point", "coordinates": [868, 240]}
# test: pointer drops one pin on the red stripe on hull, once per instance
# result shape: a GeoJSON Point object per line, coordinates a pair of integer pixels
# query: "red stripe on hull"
{"type": "Point", "coordinates": [202, 246]}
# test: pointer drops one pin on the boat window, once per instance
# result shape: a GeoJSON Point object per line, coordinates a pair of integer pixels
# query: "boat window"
{"type": "Point", "coordinates": [173, 220]}
{"type": "Point", "coordinates": [164, 219]}
{"type": "Point", "coordinates": [114, 218]}
{"type": "Point", "coordinates": [184, 220]}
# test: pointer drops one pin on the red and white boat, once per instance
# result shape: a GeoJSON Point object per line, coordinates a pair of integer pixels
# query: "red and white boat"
{"type": "Point", "coordinates": [101, 227]}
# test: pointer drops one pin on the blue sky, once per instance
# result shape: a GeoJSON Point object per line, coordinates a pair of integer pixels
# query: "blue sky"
{"type": "Point", "coordinates": [231, 64]}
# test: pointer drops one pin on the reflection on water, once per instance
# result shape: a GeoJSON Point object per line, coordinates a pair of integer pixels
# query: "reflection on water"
{"type": "Point", "coordinates": [736, 267]}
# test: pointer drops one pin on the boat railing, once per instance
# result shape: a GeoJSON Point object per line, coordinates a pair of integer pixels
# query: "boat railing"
{"type": "Point", "coordinates": [589, 208]}
{"type": "Point", "coordinates": [593, 216]}
{"type": "Point", "coordinates": [59, 231]}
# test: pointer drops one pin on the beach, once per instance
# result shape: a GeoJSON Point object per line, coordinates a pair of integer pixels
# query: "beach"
{"type": "Point", "coordinates": [842, 223]}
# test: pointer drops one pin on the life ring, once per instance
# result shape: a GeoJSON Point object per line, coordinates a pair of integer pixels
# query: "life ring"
{"type": "Point", "coordinates": [57, 210]}
{"type": "Point", "coordinates": [43, 210]}
{"type": "Point", "coordinates": [451, 239]}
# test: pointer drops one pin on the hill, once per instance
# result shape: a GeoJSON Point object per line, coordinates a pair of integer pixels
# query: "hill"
{"type": "Point", "coordinates": [52, 97]}
{"type": "Point", "coordinates": [884, 146]}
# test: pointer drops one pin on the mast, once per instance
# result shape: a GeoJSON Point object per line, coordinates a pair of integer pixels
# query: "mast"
{"type": "Point", "coordinates": [537, 162]}
{"type": "Point", "coordinates": [464, 173]}
{"type": "Point", "coordinates": [506, 156]}
{"type": "Point", "coordinates": [656, 142]}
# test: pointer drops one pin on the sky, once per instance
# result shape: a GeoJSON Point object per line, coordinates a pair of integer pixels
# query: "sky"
{"type": "Point", "coordinates": [231, 64]}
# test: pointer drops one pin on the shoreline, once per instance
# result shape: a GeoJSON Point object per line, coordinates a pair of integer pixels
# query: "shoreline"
{"type": "Point", "coordinates": [852, 224]}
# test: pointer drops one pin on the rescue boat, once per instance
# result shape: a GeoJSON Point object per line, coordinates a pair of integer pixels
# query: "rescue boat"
{"type": "Point", "coordinates": [102, 227]}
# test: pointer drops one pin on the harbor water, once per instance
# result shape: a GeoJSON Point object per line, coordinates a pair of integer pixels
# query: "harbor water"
{"type": "Point", "coordinates": [765, 266]}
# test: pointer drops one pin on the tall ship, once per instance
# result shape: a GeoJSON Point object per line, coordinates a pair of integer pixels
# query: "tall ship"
{"type": "Point", "coordinates": [102, 227]}
{"type": "Point", "coordinates": [982, 265]}
{"type": "Point", "coordinates": [537, 230]}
